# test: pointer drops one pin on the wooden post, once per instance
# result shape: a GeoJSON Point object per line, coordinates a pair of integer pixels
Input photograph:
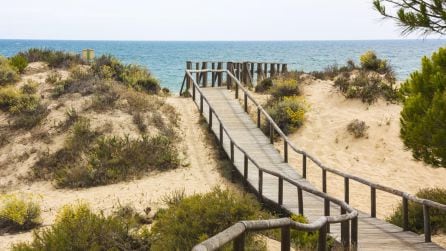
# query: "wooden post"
{"type": "Point", "coordinates": [259, 72]}
{"type": "Point", "coordinates": [322, 241]}
{"type": "Point", "coordinates": [245, 73]}
{"type": "Point", "coordinates": [427, 224]}
{"type": "Point", "coordinates": [239, 71]}
{"type": "Point", "coordinates": [373, 202]}
{"type": "Point", "coordinates": [204, 75]}
{"type": "Point", "coordinates": [221, 134]}
{"type": "Point", "coordinates": [220, 74]}
{"type": "Point", "coordinates": [285, 239]}
{"type": "Point", "coordinates": [252, 66]}
{"type": "Point", "coordinates": [304, 166]}
{"type": "Point", "coordinates": [280, 195]}
{"type": "Point", "coordinates": [236, 91]}
{"type": "Point", "coordinates": [324, 180]}
{"type": "Point", "coordinates": [232, 161]}
{"type": "Point", "coordinates": [300, 201]}
{"type": "Point", "coordinates": [327, 211]}
{"type": "Point", "coordinates": [239, 243]}
{"type": "Point", "coordinates": [284, 68]}
{"type": "Point", "coordinates": [197, 75]}
{"type": "Point", "coordinates": [230, 68]}
{"type": "Point", "coordinates": [266, 70]}
{"type": "Point", "coordinates": [245, 169]}
{"type": "Point", "coordinates": [271, 133]}
{"type": "Point", "coordinates": [188, 81]}
{"type": "Point", "coordinates": [405, 214]}
{"type": "Point", "coordinates": [213, 74]}
{"type": "Point", "coordinates": [210, 118]}
{"type": "Point", "coordinates": [260, 185]}
{"type": "Point", "coordinates": [345, 231]}
{"type": "Point", "coordinates": [201, 104]}
{"type": "Point", "coordinates": [193, 92]}
{"type": "Point", "coordinates": [278, 69]}
{"type": "Point", "coordinates": [245, 98]}
{"type": "Point", "coordinates": [285, 151]}
{"type": "Point", "coordinates": [258, 117]}
{"type": "Point", "coordinates": [346, 190]}
{"type": "Point", "coordinates": [354, 232]}
{"type": "Point", "coordinates": [273, 70]}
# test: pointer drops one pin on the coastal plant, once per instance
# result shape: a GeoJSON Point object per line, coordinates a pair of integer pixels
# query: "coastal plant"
{"type": "Point", "coordinates": [8, 73]}
{"type": "Point", "coordinates": [18, 212]}
{"type": "Point", "coordinates": [284, 88]}
{"type": "Point", "coordinates": [186, 222]}
{"type": "Point", "coordinates": [264, 85]}
{"type": "Point", "coordinates": [77, 227]}
{"type": "Point", "coordinates": [416, 218]}
{"type": "Point", "coordinates": [19, 62]}
{"type": "Point", "coordinates": [423, 120]}
{"type": "Point", "coordinates": [288, 113]}
{"type": "Point", "coordinates": [55, 59]}
{"type": "Point", "coordinates": [357, 128]}
{"type": "Point", "coordinates": [370, 62]}
{"type": "Point", "coordinates": [30, 87]}
{"type": "Point", "coordinates": [53, 77]}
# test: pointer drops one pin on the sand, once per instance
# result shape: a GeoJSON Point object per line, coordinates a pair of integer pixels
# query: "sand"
{"type": "Point", "coordinates": [199, 173]}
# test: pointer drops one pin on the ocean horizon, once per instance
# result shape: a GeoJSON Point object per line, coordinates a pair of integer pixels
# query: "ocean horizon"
{"type": "Point", "coordinates": [166, 59]}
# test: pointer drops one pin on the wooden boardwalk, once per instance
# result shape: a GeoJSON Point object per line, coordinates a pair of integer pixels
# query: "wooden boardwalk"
{"type": "Point", "coordinates": [373, 234]}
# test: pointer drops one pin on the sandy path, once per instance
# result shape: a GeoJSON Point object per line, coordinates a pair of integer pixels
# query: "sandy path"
{"type": "Point", "coordinates": [200, 176]}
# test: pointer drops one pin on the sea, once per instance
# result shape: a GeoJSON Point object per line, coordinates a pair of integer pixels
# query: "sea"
{"type": "Point", "coordinates": [167, 59]}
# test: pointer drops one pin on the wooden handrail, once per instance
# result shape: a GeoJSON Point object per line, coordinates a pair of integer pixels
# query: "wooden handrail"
{"type": "Point", "coordinates": [349, 214]}
{"type": "Point", "coordinates": [405, 196]}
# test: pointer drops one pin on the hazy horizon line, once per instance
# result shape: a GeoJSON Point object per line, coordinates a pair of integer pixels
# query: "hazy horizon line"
{"type": "Point", "coordinates": [291, 40]}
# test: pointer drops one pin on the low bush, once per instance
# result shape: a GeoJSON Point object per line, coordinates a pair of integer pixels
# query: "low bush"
{"type": "Point", "coordinates": [264, 85]}
{"type": "Point", "coordinates": [357, 128]}
{"type": "Point", "coordinates": [53, 77]}
{"type": "Point", "coordinates": [55, 59]}
{"type": "Point", "coordinates": [288, 113]}
{"type": "Point", "coordinates": [187, 222]}
{"type": "Point", "coordinates": [285, 88]}
{"type": "Point", "coordinates": [18, 213]}
{"type": "Point", "coordinates": [371, 62]}
{"type": "Point", "coordinates": [8, 73]}
{"type": "Point", "coordinates": [416, 220]}
{"type": "Point", "coordinates": [19, 62]}
{"type": "Point", "coordinates": [78, 228]}
{"type": "Point", "coordinates": [29, 88]}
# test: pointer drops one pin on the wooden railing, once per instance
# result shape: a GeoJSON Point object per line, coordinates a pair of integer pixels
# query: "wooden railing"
{"type": "Point", "coordinates": [236, 232]}
{"type": "Point", "coordinates": [287, 144]}
{"type": "Point", "coordinates": [274, 129]}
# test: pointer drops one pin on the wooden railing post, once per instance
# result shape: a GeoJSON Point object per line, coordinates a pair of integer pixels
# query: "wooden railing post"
{"type": "Point", "coordinates": [220, 74]}
{"type": "Point", "coordinates": [354, 232]}
{"type": "Point", "coordinates": [229, 67]}
{"type": "Point", "coordinates": [346, 190]}
{"type": "Point", "coordinates": [260, 185]}
{"type": "Point", "coordinates": [213, 74]}
{"type": "Point", "coordinates": [322, 240]}
{"type": "Point", "coordinates": [304, 166]}
{"type": "Point", "coordinates": [236, 91]}
{"type": "Point", "coordinates": [300, 201]}
{"type": "Point", "coordinates": [188, 81]}
{"type": "Point", "coordinates": [285, 239]}
{"type": "Point", "coordinates": [245, 169]}
{"type": "Point", "coordinates": [373, 202]}
{"type": "Point", "coordinates": [259, 72]}
{"type": "Point", "coordinates": [280, 194]}
{"type": "Point", "coordinates": [205, 74]}
{"type": "Point", "coordinates": [345, 231]}
{"type": "Point", "coordinates": [201, 104]}
{"type": "Point", "coordinates": [285, 151]}
{"type": "Point", "coordinates": [210, 117]}
{"type": "Point", "coordinates": [324, 180]}
{"type": "Point", "coordinates": [327, 211]}
{"type": "Point", "coordinates": [258, 117]}
{"type": "Point", "coordinates": [232, 161]}
{"type": "Point", "coordinates": [266, 70]}
{"type": "Point", "coordinates": [197, 74]}
{"type": "Point", "coordinates": [193, 92]}
{"type": "Point", "coordinates": [245, 98]}
{"type": "Point", "coordinates": [221, 134]}
{"type": "Point", "coordinates": [427, 224]}
{"type": "Point", "coordinates": [239, 243]}
{"type": "Point", "coordinates": [271, 133]}
{"type": "Point", "coordinates": [405, 214]}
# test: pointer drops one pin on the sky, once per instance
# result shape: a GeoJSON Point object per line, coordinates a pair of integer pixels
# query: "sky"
{"type": "Point", "coordinates": [194, 20]}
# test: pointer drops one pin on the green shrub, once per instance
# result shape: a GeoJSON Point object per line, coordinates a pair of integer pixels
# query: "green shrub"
{"type": "Point", "coordinates": [357, 128]}
{"type": "Point", "coordinates": [285, 88]}
{"type": "Point", "coordinates": [78, 228]}
{"type": "Point", "coordinates": [18, 213]}
{"type": "Point", "coordinates": [264, 86]}
{"type": "Point", "coordinates": [288, 113]}
{"type": "Point", "coordinates": [19, 62]}
{"type": "Point", "coordinates": [423, 120]}
{"type": "Point", "coordinates": [371, 62]}
{"type": "Point", "coordinates": [416, 220]}
{"type": "Point", "coordinates": [191, 220]}
{"type": "Point", "coordinates": [30, 87]}
{"type": "Point", "coordinates": [55, 59]}
{"type": "Point", "coordinates": [8, 73]}
{"type": "Point", "coordinates": [53, 77]}
{"type": "Point", "coordinates": [108, 67]}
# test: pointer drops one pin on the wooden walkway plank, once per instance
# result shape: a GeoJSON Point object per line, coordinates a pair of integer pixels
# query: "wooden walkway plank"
{"type": "Point", "coordinates": [373, 233]}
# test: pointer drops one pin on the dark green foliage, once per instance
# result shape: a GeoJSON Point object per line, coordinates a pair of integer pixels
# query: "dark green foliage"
{"type": "Point", "coordinates": [423, 119]}
{"type": "Point", "coordinates": [264, 86]}
{"type": "Point", "coordinates": [437, 217]}
{"type": "Point", "coordinates": [415, 15]}
{"type": "Point", "coordinates": [191, 220]}
{"type": "Point", "coordinates": [288, 113]}
{"type": "Point", "coordinates": [78, 228]}
{"type": "Point", "coordinates": [8, 73]}
{"type": "Point", "coordinates": [29, 88]}
{"type": "Point", "coordinates": [285, 88]}
{"type": "Point", "coordinates": [366, 86]}
{"type": "Point", "coordinates": [19, 62]}
{"type": "Point", "coordinates": [371, 62]}
{"type": "Point", "coordinates": [18, 213]}
{"type": "Point", "coordinates": [55, 59]}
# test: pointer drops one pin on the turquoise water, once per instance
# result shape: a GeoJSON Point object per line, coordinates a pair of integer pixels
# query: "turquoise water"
{"type": "Point", "coordinates": [167, 59]}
